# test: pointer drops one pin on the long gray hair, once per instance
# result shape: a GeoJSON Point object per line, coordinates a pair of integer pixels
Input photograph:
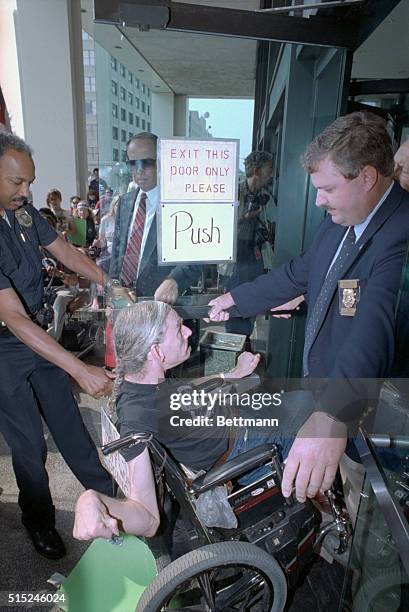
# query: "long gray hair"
{"type": "Point", "coordinates": [136, 330]}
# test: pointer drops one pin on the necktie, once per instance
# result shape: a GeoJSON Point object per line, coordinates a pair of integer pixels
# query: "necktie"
{"type": "Point", "coordinates": [133, 250]}
{"type": "Point", "coordinates": [325, 295]}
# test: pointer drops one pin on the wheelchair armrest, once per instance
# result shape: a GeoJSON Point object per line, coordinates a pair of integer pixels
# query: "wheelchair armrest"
{"type": "Point", "coordinates": [239, 465]}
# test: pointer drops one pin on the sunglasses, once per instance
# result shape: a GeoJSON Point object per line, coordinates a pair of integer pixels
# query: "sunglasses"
{"type": "Point", "coordinates": [140, 164]}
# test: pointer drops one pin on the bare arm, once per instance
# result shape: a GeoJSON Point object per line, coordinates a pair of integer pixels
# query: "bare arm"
{"type": "Point", "coordinates": [76, 261]}
{"type": "Point", "coordinates": [97, 515]}
{"type": "Point", "coordinates": [93, 380]}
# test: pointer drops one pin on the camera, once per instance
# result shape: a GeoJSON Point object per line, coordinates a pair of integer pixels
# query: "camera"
{"type": "Point", "coordinates": [94, 252]}
{"type": "Point", "coordinates": [254, 201]}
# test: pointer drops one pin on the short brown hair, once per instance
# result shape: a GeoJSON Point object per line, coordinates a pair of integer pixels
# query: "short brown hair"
{"type": "Point", "coordinates": [352, 142]}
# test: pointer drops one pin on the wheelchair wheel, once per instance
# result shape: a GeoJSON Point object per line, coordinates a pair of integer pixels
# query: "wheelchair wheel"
{"type": "Point", "coordinates": [226, 576]}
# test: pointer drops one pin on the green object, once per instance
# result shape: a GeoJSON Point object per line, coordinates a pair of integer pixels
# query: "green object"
{"type": "Point", "coordinates": [109, 577]}
{"type": "Point", "coordinates": [79, 238]}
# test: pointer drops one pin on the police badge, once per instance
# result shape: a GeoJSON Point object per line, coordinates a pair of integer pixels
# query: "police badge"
{"type": "Point", "coordinates": [348, 294]}
{"type": "Point", "coordinates": [23, 217]}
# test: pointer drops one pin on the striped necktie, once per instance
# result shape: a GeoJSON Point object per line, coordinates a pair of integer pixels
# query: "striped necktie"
{"type": "Point", "coordinates": [325, 296]}
{"type": "Point", "coordinates": [133, 250]}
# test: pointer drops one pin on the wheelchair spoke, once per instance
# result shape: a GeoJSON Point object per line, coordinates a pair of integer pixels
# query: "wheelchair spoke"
{"type": "Point", "coordinates": [205, 582]}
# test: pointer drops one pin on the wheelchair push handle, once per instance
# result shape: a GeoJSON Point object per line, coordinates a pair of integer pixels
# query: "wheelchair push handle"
{"type": "Point", "coordinates": [125, 442]}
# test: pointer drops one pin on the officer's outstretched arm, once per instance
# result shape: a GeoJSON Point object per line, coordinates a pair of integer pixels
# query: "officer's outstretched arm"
{"type": "Point", "coordinates": [75, 260]}
{"type": "Point", "coordinates": [93, 380]}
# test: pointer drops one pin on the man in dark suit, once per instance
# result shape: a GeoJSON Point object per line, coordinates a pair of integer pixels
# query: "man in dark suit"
{"type": "Point", "coordinates": [350, 276]}
{"type": "Point", "coordinates": [134, 258]}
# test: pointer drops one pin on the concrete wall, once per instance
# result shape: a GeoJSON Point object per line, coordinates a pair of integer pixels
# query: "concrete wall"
{"type": "Point", "coordinates": [163, 114]}
{"type": "Point", "coordinates": [42, 91]}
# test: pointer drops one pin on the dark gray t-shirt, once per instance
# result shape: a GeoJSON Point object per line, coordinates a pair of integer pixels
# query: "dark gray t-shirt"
{"type": "Point", "coordinates": [146, 409]}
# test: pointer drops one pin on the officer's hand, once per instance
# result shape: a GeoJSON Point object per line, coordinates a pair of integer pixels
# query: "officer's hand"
{"type": "Point", "coordinates": [92, 519]}
{"type": "Point", "coordinates": [246, 364]}
{"type": "Point", "coordinates": [95, 381]}
{"type": "Point", "coordinates": [218, 307]}
{"type": "Point", "coordinates": [402, 165]}
{"type": "Point", "coordinates": [314, 456]}
{"type": "Point", "coordinates": [291, 305]}
{"type": "Point", "coordinates": [167, 291]}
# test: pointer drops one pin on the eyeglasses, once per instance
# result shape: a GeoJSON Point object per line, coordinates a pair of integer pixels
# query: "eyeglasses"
{"type": "Point", "coordinates": [140, 164]}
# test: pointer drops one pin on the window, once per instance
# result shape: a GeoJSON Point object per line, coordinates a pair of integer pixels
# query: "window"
{"type": "Point", "coordinates": [88, 57]}
{"type": "Point", "coordinates": [136, 102]}
{"type": "Point", "coordinates": [113, 63]}
{"type": "Point", "coordinates": [143, 88]}
{"type": "Point", "coordinates": [136, 120]}
{"type": "Point", "coordinates": [130, 118]}
{"type": "Point", "coordinates": [115, 111]}
{"type": "Point", "coordinates": [148, 109]}
{"type": "Point", "coordinates": [115, 133]}
{"type": "Point", "coordinates": [136, 83]}
{"type": "Point", "coordinates": [143, 106]}
{"type": "Point", "coordinates": [90, 107]}
{"type": "Point", "coordinates": [143, 124]}
{"type": "Point", "coordinates": [122, 93]}
{"type": "Point", "coordinates": [122, 70]}
{"type": "Point", "coordinates": [92, 152]}
{"type": "Point", "coordinates": [123, 114]}
{"type": "Point", "coordinates": [91, 131]}
{"type": "Point", "coordinates": [130, 98]}
{"type": "Point", "coordinates": [130, 77]}
{"type": "Point", "coordinates": [130, 134]}
{"type": "Point", "coordinates": [149, 127]}
{"type": "Point", "coordinates": [115, 155]}
{"type": "Point", "coordinates": [123, 156]}
{"type": "Point", "coordinates": [89, 83]}
{"type": "Point", "coordinates": [114, 88]}
{"type": "Point", "coordinates": [149, 93]}
{"type": "Point", "coordinates": [123, 135]}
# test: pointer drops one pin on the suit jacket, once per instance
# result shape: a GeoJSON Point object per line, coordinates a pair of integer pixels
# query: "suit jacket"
{"type": "Point", "coordinates": [345, 347]}
{"type": "Point", "coordinates": [150, 273]}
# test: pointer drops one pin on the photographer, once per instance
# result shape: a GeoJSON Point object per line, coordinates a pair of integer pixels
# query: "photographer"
{"type": "Point", "coordinates": [253, 198]}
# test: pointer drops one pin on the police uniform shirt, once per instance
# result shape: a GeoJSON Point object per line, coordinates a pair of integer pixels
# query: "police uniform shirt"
{"type": "Point", "coordinates": [20, 257]}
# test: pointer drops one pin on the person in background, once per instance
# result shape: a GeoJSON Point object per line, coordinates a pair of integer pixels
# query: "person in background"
{"type": "Point", "coordinates": [84, 212]}
{"type": "Point", "coordinates": [96, 183]}
{"type": "Point", "coordinates": [54, 200]}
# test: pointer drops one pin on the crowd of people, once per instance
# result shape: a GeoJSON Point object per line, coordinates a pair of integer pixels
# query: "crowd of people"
{"type": "Point", "coordinates": [363, 237]}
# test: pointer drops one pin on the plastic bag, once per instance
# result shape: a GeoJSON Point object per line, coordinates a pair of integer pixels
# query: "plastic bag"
{"type": "Point", "coordinates": [214, 510]}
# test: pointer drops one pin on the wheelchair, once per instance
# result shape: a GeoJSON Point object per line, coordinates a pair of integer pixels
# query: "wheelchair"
{"type": "Point", "coordinates": [248, 568]}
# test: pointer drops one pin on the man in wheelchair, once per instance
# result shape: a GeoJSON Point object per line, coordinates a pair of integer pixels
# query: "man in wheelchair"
{"type": "Point", "coordinates": [150, 338]}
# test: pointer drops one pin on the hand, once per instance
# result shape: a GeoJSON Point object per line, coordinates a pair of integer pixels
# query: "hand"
{"type": "Point", "coordinates": [218, 307]}
{"type": "Point", "coordinates": [402, 165]}
{"type": "Point", "coordinates": [95, 381]}
{"type": "Point", "coordinates": [314, 456]}
{"type": "Point", "coordinates": [291, 305]}
{"type": "Point", "coordinates": [167, 291]}
{"type": "Point", "coordinates": [246, 364]}
{"type": "Point", "coordinates": [92, 519]}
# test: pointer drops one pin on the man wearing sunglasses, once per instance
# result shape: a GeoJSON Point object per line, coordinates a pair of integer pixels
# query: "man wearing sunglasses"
{"type": "Point", "coordinates": [134, 259]}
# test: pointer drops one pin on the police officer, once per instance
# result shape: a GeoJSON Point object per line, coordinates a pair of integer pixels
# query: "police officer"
{"type": "Point", "coordinates": [33, 367]}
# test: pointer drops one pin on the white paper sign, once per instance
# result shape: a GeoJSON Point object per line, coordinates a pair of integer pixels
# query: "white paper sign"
{"type": "Point", "coordinates": [197, 232]}
{"type": "Point", "coordinates": [198, 170]}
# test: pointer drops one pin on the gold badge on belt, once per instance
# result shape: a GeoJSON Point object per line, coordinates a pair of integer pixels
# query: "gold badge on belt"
{"type": "Point", "coordinates": [348, 294]}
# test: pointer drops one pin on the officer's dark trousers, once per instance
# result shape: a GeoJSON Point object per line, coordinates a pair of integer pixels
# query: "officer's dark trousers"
{"type": "Point", "coordinates": [31, 387]}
